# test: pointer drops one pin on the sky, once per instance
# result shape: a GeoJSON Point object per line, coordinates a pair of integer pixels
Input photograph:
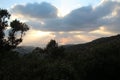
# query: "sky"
{"type": "Point", "coordinates": [66, 21]}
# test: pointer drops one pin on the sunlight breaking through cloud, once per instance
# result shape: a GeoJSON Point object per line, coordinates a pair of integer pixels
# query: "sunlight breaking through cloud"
{"type": "Point", "coordinates": [102, 20]}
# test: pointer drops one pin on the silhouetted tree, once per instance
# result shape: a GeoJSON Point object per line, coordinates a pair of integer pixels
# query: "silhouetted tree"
{"type": "Point", "coordinates": [38, 50]}
{"type": "Point", "coordinates": [51, 47]}
{"type": "Point", "coordinates": [4, 15]}
{"type": "Point", "coordinates": [54, 50]}
{"type": "Point", "coordinates": [52, 44]}
{"type": "Point", "coordinates": [16, 27]}
{"type": "Point", "coordinates": [16, 32]}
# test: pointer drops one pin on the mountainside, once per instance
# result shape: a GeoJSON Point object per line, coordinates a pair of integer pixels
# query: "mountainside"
{"type": "Point", "coordinates": [96, 60]}
{"type": "Point", "coordinates": [83, 47]}
{"type": "Point", "coordinates": [78, 47]}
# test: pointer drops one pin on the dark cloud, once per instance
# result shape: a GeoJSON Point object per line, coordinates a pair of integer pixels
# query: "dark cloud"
{"type": "Point", "coordinates": [36, 10]}
{"type": "Point", "coordinates": [86, 18]}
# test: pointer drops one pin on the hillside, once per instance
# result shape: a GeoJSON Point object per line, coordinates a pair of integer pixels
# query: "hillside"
{"type": "Point", "coordinates": [78, 47]}
{"type": "Point", "coordinates": [96, 60]}
{"type": "Point", "coordinates": [83, 47]}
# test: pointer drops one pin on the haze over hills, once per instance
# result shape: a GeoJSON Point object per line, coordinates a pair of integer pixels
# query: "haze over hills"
{"type": "Point", "coordinates": [24, 49]}
{"type": "Point", "coordinates": [77, 47]}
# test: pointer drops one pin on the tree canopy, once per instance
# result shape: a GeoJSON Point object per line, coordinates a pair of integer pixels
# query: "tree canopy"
{"type": "Point", "coordinates": [15, 33]}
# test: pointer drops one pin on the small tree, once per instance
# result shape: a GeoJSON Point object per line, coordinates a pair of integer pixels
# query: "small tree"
{"type": "Point", "coordinates": [52, 44]}
{"type": "Point", "coordinates": [54, 50]}
{"type": "Point", "coordinates": [15, 34]}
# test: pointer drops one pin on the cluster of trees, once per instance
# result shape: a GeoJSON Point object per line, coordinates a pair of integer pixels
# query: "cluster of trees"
{"type": "Point", "coordinates": [52, 50]}
{"type": "Point", "coordinates": [97, 60]}
{"type": "Point", "coordinates": [13, 36]}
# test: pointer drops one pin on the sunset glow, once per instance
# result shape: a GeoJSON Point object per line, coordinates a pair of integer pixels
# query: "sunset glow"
{"type": "Point", "coordinates": [67, 21]}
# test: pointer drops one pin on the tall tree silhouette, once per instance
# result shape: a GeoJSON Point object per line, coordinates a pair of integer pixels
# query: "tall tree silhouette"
{"type": "Point", "coordinates": [16, 32]}
{"type": "Point", "coordinates": [16, 27]}
{"type": "Point", "coordinates": [3, 24]}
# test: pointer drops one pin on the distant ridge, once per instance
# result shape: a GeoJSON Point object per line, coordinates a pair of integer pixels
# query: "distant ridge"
{"type": "Point", "coordinates": [24, 49]}
{"type": "Point", "coordinates": [82, 47]}
{"type": "Point", "coordinates": [78, 47]}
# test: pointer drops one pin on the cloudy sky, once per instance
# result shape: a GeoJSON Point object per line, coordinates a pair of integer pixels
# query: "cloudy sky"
{"type": "Point", "coordinates": [66, 21]}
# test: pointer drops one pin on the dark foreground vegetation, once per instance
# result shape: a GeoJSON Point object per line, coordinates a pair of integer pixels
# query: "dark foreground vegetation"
{"type": "Point", "coordinates": [97, 60]}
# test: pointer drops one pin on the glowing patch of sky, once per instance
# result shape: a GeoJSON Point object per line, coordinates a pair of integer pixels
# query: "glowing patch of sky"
{"type": "Point", "coordinates": [68, 5]}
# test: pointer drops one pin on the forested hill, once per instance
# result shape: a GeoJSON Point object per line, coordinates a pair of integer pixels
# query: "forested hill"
{"type": "Point", "coordinates": [101, 41]}
{"type": "Point", "coordinates": [78, 47]}
{"type": "Point", "coordinates": [96, 60]}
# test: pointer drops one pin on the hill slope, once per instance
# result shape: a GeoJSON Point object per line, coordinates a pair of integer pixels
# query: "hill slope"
{"type": "Point", "coordinates": [96, 60]}
{"type": "Point", "coordinates": [83, 47]}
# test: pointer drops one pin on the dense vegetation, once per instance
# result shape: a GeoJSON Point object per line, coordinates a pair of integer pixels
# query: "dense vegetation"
{"type": "Point", "coordinates": [96, 60]}
{"type": "Point", "coordinates": [101, 61]}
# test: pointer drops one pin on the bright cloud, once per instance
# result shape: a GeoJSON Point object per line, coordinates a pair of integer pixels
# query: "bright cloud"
{"type": "Point", "coordinates": [102, 30]}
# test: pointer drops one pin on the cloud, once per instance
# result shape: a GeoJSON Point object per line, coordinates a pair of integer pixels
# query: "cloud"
{"type": "Point", "coordinates": [35, 10]}
{"type": "Point", "coordinates": [75, 37]}
{"type": "Point", "coordinates": [101, 31]}
{"type": "Point", "coordinates": [89, 18]}
{"type": "Point", "coordinates": [93, 22]}
{"type": "Point", "coordinates": [86, 18]}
